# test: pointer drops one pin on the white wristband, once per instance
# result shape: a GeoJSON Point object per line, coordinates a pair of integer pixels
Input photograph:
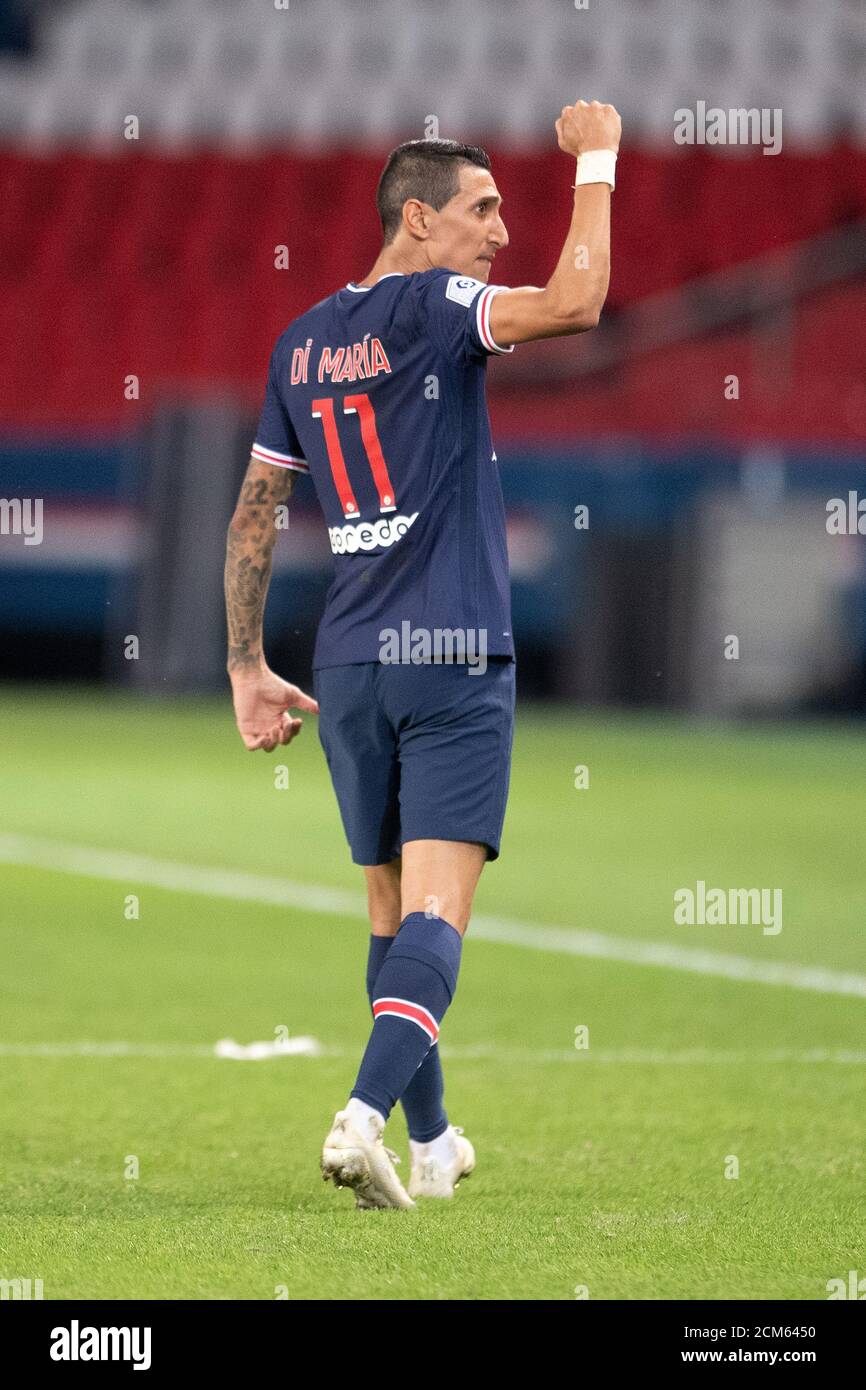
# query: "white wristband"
{"type": "Point", "coordinates": [596, 166]}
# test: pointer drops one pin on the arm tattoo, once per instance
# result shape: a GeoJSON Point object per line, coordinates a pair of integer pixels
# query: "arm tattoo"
{"type": "Point", "coordinates": [249, 552]}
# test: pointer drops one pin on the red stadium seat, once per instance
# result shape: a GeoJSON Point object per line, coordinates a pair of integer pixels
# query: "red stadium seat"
{"type": "Point", "coordinates": [164, 266]}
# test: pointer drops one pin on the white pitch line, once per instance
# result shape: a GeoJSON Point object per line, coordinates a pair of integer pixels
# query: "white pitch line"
{"type": "Point", "coordinates": [468, 1052]}
{"type": "Point", "coordinates": [147, 1049]}
{"type": "Point", "coordinates": [242, 886]}
{"type": "Point", "coordinates": [105, 1049]}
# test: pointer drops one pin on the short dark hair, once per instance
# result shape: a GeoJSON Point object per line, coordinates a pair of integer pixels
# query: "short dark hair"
{"type": "Point", "coordinates": [424, 169]}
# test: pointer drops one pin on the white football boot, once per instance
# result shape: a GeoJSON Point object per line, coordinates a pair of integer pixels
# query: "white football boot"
{"type": "Point", "coordinates": [431, 1177]}
{"type": "Point", "coordinates": [351, 1159]}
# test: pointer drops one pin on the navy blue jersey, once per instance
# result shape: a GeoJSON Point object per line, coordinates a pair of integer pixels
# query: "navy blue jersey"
{"type": "Point", "coordinates": [378, 393]}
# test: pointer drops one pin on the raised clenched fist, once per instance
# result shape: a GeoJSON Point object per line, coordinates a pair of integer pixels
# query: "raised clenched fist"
{"type": "Point", "coordinates": [588, 125]}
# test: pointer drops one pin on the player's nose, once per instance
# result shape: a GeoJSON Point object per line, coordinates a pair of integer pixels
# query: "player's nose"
{"type": "Point", "coordinates": [499, 235]}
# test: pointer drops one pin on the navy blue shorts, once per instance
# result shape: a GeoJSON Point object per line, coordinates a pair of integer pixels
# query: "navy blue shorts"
{"type": "Point", "coordinates": [417, 752]}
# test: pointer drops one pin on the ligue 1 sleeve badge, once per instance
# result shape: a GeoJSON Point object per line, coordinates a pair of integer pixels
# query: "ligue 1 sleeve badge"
{"type": "Point", "coordinates": [463, 289]}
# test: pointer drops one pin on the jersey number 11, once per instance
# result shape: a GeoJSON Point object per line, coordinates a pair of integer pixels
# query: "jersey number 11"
{"type": "Point", "coordinates": [362, 406]}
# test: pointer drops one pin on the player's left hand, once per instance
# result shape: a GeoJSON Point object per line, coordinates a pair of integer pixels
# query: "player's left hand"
{"type": "Point", "coordinates": [262, 701]}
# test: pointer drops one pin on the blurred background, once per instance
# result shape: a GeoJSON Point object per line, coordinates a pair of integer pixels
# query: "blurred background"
{"type": "Point", "coordinates": [667, 477]}
{"type": "Point", "coordinates": [178, 180]}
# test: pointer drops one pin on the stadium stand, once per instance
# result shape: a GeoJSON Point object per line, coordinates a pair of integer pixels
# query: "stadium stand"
{"type": "Point", "coordinates": [144, 251]}
{"type": "Point", "coordinates": [324, 71]}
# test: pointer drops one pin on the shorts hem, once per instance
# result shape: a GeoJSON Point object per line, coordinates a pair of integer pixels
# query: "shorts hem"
{"type": "Point", "coordinates": [463, 837]}
{"type": "Point", "coordinates": [376, 861]}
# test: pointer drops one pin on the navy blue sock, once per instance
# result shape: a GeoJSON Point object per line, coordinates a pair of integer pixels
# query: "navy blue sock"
{"type": "Point", "coordinates": [413, 989]}
{"type": "Point", "coordinates": [379, 948]}
{"type": "Point", "coordinates": [423, 1099]}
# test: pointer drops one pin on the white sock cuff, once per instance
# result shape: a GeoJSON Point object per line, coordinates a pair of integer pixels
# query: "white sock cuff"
{"type": "Point", "coordinates": [362, 1113]}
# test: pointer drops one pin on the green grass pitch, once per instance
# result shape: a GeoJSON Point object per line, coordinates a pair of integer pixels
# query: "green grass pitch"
{"type": "Point", "coordinates": [602, 1169]}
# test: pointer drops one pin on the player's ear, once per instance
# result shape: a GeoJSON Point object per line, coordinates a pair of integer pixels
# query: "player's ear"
{"type": "Point", "coordinates": [416, 218]}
